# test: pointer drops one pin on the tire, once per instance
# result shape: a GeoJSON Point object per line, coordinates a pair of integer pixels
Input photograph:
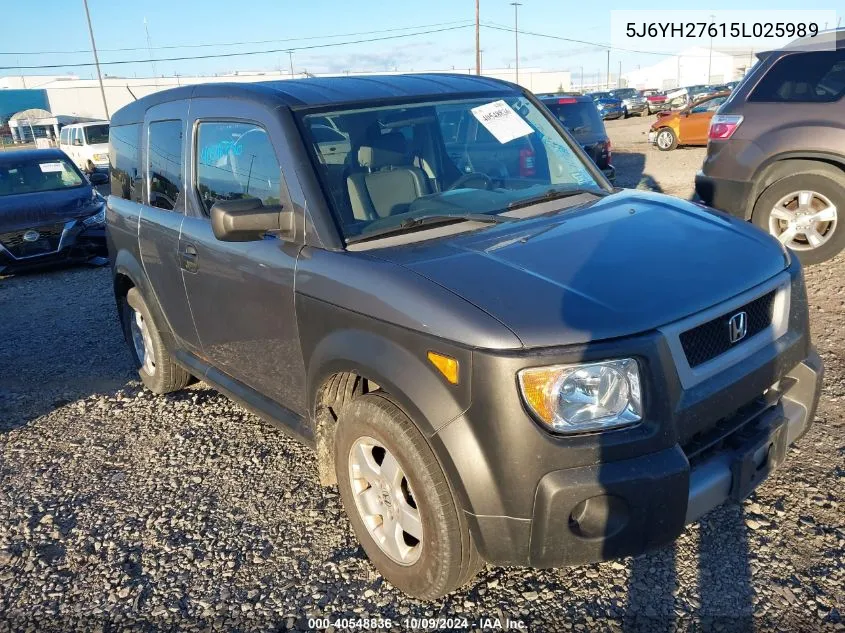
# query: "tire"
{"type": "Point", "coordinates": [815, 191]}
{"type": "Point", "coordinates": [624, 113]}
{"type": "Point", "coordinates": [90, 168]}
{"type": "Point", "coordinates": [159, 373]}
{"type": "Point", "coordinates": [443, 558]}
{"type": "Point", "coordinates": [670, 142]}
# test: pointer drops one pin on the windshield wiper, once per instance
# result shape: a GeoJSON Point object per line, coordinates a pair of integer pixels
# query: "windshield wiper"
{"type": "Point", "coordinates": [426, 220]}
{"type": "Point", "coordinates": [554, 194]}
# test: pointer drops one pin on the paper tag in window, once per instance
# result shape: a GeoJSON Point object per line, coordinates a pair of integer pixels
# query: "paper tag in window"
{"type": "Point", "coordinates": [51, 168]}
{"type": "Point", "coordinates": [502, 121]}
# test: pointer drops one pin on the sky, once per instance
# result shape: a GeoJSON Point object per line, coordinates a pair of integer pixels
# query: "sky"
{"type": "Point", "coordinates": [59, 26]}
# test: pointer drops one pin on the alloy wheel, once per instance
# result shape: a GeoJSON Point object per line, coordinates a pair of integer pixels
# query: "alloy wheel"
{"type": "Point", "coordinates": [385, 501]}
{"type": "Point", "coordinates": [664, 139]}
{"type": "Point", "coordinates": [803, 220]}
{"type": "Point", "coordinates": [142, 342]}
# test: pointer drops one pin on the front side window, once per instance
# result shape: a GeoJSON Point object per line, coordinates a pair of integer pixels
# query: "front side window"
{"type": "Point", "coordinates": [37, 175]}
{"type": "Point", "coordinates": [234, 161]}
{"type": "Point", "coordinates": [96, 134]}
{"type": "Point", "coordinates": [810, 77]}
{"type": "Point", "coordinates": [448, 157]}
{"type": "Point", "coordinates": [164, 160]}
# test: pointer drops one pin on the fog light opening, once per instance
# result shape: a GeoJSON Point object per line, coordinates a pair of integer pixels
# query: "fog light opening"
{"type": "Point", "coordinates": [599, 517]}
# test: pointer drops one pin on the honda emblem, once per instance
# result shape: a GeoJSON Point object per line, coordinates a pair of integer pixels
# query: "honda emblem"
{"type": "Point", "coordinates": [738, 327]}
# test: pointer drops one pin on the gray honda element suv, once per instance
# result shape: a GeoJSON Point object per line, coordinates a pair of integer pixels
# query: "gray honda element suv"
{"type": "Point", "coordinates": [496, 357]}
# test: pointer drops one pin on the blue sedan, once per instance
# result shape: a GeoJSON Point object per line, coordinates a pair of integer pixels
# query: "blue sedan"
{"type": "Point", "coordinates": [609, 107]}
{"type": "Point", "coordinates": [49, 211]}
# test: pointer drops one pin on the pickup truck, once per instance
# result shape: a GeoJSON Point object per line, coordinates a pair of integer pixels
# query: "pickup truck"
{"type": "Point", "coordinates": [493, 364]}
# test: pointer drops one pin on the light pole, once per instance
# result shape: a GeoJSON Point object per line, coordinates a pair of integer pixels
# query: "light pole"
{"type": "Point", "coordinates": [96, 59]}
{"type": "Point", "coordinates": [710, 57]}
{"type": "Point", "coordinates": [290, 58]}
{"type": "Point", "coordinates": [477, 38]}
{"type": "Point", "coordinates": [516, 6]}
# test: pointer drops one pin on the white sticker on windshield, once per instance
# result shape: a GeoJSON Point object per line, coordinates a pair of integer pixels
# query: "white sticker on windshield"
{"type": "Point", "coordinates": [502, 121]}
{"type": "Point", "coordinates": [51, 168]}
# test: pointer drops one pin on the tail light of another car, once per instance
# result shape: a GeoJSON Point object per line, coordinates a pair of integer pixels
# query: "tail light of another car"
{"type": "Point", "coordinates": [608, 149]}
{"type": "Point", "coordinates": [722, 126]}
{"type": "Point", "coordinates": [526, 163]}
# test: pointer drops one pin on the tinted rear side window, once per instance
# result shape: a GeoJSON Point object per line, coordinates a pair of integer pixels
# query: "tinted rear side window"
{"type": "Point", "coordinates": [580, 117]}
{"type": "Point", "coordinates": [817, 77]}
{"type": "Point", "coordinates": [124, 158]}
{"type": "Point", "coordinates": [165, 158]}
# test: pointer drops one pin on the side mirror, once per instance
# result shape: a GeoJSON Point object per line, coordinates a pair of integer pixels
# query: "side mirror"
{"type": "Point", "coordinates": [247, 220]}
{"type": "Point", "coordinates": [98, 178]}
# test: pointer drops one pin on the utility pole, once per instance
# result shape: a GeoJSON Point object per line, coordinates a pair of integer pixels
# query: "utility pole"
{"type": "Point", "coordinates": [582, 79]}
{"type": "Point", "coordinates": [608, 70]}
{"type": "Point", "coordinates": [516, 6]}
{"type": "Point", "coordinates": [150, 51]}
{"type": "Point", "coordinates": [619, 76]}
{"type": "Point", "coordinates": [96, 59]}
{"type": "Point", "coordinates": [710, 57]}
{"type": "Point", "coordinates": [290, 58]}
{"type": "Point", "coordinates": [477, 38]}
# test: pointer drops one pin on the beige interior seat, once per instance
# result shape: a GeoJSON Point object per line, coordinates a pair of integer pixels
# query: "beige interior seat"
{"type": "Point", "coordinates": [387, 182]}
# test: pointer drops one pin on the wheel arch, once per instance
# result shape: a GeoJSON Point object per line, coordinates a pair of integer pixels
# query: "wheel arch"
{"type": "Point", "coordinates": [128, 273]}
{"type": "Point", "coordinates": [786, 164]}
{"type": "Point", "coordinates": [347, 363]}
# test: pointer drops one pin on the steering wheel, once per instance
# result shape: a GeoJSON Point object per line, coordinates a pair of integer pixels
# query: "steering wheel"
{"type": "Point", "coordinates": [475, 175]}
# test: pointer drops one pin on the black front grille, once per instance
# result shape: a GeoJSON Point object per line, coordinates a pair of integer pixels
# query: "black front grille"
{"type": "Point", "coordinates": [709, 340]}
{"type": "Point", "coordinates": [47, 242]}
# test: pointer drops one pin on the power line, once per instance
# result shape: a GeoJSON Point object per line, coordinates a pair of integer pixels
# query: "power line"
{"type": "Point", "coordinates": [293, 39]}
{"type": "Point", "coordinates": [596, 45]}
{"type": "Point", "coordinates": [240, 54]}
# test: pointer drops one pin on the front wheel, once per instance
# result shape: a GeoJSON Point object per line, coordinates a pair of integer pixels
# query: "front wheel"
{"type": "Point", "coordinates": [666, 139]}
{"type": "Point", "coordinates": [802, 212]}
{"type": "Point", "coordinates": [399, 501]}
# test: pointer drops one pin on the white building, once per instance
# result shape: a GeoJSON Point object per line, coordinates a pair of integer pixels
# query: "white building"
{"type": "Point", "coordinates": [691, 67]}
{"type": "Point", "coordinates": [80, 99]}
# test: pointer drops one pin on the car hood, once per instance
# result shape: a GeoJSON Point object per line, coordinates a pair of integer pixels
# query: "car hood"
{"type": "Point", "coordinates": [626, 264]}
{"type": "Point", "coordinates": [28, 210]}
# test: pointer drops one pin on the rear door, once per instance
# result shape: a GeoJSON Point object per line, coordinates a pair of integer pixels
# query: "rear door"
{"type": "Point", "coordinates": [163, 156]}
{"type": "Point", "coordinates": [242, 293]}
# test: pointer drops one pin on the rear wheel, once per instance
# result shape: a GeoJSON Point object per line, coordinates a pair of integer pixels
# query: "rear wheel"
{"type": "Point", "coordinates": [156, 368]}
{"type": "Point", "coordinates": [399, 501]}
{"type": "Point", "coordinates": [803, 212]}
{"type": "Point", "coordinates": [666, 139]}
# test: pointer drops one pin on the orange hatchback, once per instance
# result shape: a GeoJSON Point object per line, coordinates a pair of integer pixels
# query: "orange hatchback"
{"type": "Point", "coordinates": [687, 126]}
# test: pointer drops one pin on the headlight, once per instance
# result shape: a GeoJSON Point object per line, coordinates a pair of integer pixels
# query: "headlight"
{"type": "Point", "coordinates": [97, 218]}
{"type": "Point", "coordinates": [584, 397]}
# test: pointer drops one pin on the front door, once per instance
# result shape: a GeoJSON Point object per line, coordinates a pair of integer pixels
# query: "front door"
{"type": "Point", "coordinates": [242, 293]}
{"type": "Point", "coordinates": [163, 156]}
{"type": "Point", "coordinates": [695, 125]}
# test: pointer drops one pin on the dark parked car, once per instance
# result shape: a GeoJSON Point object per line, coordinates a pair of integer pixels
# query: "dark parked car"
{"type": "Point", "coordinates": [49, 211]}
{"type": "Point", "coordinates": [609, 107]}
{"type": "Point", "coordinates": [776, 151]}
{"type": "Point", "coordinates": [515, 367]}
{"type": "Point", "coordinates": [580, 116]}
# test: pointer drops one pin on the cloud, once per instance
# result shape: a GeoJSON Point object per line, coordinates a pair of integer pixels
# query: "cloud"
{"type": "Point", "coordinates": [416, 56]}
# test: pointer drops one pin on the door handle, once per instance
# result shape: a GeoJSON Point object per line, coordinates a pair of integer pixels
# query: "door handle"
{"type": "Point", "coordinates": [188, 258]}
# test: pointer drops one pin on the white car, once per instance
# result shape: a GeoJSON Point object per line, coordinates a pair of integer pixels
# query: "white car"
{"type": "Point", "coordinates": [87, 144]}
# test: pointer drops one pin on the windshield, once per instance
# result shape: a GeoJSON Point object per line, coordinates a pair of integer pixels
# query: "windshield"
{"type": "Point", "coordinates": [624, 93]}
{"type": "Point", "coordinates": [579, 117]}
{"type": "Point", "coordinates": [34, 176]}
{"type": "Point", "coordinates": [96, 134]}
{"type": "Point", "coordinates": [387, 165]}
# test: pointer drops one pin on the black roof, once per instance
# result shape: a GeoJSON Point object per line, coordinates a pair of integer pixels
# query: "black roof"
{"type": "Point", "coordinates": [15, 156]}
{"type": "Point", "coordinates": [319, 91]}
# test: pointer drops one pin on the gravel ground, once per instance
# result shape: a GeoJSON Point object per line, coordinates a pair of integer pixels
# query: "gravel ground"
{"type": "Point", "coordinates": [120, 510]}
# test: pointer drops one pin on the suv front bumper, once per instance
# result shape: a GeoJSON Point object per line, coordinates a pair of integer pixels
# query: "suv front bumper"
{"type": "Point", "coordinates": [623, 508]}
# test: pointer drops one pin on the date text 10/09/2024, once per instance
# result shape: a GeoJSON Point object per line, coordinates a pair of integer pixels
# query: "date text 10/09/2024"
{"type": "Point", "coordinates": [692, 30]}
{"type": "Point", "coordinates": [414, 623]}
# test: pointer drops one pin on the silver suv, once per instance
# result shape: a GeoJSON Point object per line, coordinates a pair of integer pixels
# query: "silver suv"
{"type": "Point", "coordinates": [632, 101]}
